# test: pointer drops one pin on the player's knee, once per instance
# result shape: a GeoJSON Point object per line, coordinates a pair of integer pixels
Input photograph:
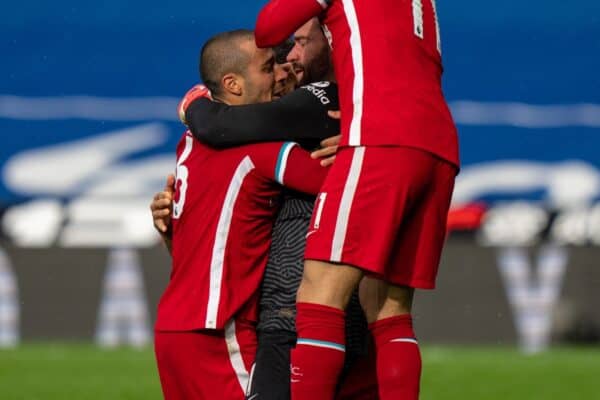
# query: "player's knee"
{"type": "Point", "coordinates": [380, 299]}
{"type": "Point", "coordinates": [328, 284]}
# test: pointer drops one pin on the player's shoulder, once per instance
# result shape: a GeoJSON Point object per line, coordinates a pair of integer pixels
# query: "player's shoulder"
{"type": "Point", "coordinates": [187, 140]}
{"type": "Point", "coordinates": [189, 148]}
{"type": "Point", "coordinates": [185, 137]}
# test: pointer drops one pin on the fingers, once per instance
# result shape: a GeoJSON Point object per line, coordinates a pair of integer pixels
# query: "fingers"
{"type": "Point", "coordinates": [161, 213]}
{"type": "Point", "coordinates": [161, 207]}
{"type": "Point", "coordinates": [160, 225]}
{"type": "Point", "coordinates": [170, 184]}
{"type": "Point", "coordinates": [331, 141]}
{"type": "Point", "coordinates": [324, 152]}
{"type": "Point", "coordinates": [326, 162]}
{"type": "Point", "coordinates": [334, 114]}
{"type": "Point", "coordinates": [161, 204]}
{"type": "Point", "coordinates": [327, 151]}
{"type": "Point", "coordinates": [161, 200]}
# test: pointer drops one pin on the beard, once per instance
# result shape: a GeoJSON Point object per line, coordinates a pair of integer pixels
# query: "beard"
{"type": "Point", "coordinates": [316, 68]}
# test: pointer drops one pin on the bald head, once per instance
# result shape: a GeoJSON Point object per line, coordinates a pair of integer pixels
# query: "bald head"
{"type": "Point", "coordinates": [222, 54]}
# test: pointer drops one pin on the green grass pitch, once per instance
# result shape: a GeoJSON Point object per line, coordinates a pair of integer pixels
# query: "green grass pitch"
{"type": "Point", "coordinates": [83, 372]}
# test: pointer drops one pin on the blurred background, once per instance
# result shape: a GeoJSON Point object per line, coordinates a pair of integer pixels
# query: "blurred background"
{"type": "Point", "coordinates": [88, 93]}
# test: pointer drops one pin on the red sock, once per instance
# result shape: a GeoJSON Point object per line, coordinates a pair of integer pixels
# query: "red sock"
{"type": "Point", "coordinates": [398, 358]}
{"type": "Point", "coordinates": [319, 354]}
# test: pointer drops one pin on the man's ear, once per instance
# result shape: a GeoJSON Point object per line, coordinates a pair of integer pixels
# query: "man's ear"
{"type": "Point", "coordinates": [233, 84]}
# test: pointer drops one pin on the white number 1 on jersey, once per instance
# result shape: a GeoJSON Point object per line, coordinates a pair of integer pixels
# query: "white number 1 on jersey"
{"type": "Point", "coordinates": [417, 7]}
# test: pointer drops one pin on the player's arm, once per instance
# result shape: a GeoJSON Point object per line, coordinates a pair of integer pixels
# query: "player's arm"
{"type": "Point", "coordinates": [291, 166]}
{"type": "Point", "coordinates": [299, 116]}
{"type": "Point", "coordinates": [302, 172]}
{"type": "Point", "coordinates": [280, 18]}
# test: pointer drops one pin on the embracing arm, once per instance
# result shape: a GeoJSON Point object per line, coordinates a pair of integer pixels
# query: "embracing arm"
{"type": "Point", "coordinates": [299, 116]}
{"type": "Point", "coordinates": [303, 173]}
{"type": "Point", "coordinates": [289, 165]}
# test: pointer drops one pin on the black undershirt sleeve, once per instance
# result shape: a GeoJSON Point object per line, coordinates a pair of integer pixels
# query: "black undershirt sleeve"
{"type": "Point", "coordinates": [300, 116]}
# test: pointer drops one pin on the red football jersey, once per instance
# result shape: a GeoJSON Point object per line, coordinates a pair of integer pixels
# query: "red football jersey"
{"type": "Point", "coordinates": [387, 61]}
{"type": "Point", "coordinates": [223, 211]}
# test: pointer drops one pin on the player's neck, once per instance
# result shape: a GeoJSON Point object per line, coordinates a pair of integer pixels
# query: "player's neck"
{"type": "Point", "coordinates": [229, 99]}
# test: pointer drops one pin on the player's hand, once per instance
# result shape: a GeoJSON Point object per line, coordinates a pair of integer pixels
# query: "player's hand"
{"type": "Point", "coordinates": [334, 114]}
{"type": "Point", "coordinates": [327, 151]}
{"type": "Point", "coordinates": [162, 206]}
{"type": "Point", "coordinates": [194, 93]}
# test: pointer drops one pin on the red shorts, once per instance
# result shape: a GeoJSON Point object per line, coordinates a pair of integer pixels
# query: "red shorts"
{"type": "Point", "coordinates": [206, 364]}
{"type": "Point", "coordinates": [384, 210]}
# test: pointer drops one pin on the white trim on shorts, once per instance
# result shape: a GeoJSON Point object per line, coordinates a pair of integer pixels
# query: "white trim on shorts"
{"type": "Point", "coordinates": [341, 224]}
{"type": "Point", "coordinates": [235, 356]}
